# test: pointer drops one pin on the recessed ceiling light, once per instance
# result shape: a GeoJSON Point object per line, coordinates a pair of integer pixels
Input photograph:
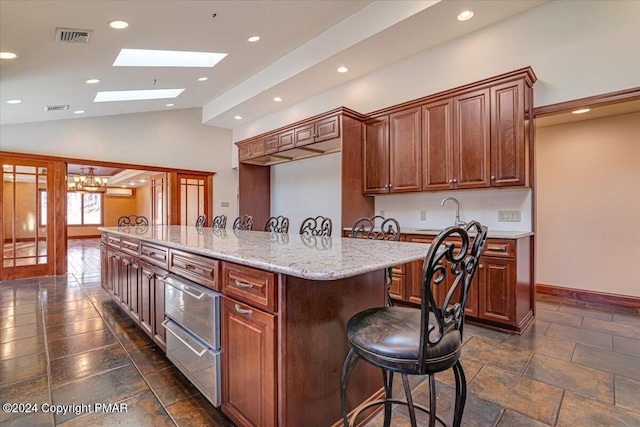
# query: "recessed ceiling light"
{"type": "Point", "coordinates": [93, 81]}
{"type": "Point", "coordinates": [14, 101]}
{"type": "Point", "coordinates": [8, 55]}
{"type": "Point", "coordinates": [136, 95]}
{"type": "Point", "coordinates": [170, 105]}
{"type": "Point", "coordinates": [253, 39]}
{"type": "Point", "coordinates": [118, 24]}
{"type": "Point", "coordinates": [202, 79]}
{"type": "Point", "coordinates": [132, 183]}
{"type": "Point", "coordinates": [343, 69]}
{"type": "Point", "coordinates": [79, 112]}
{"type": "Point", "coordinates": [465, 15]}
{"type": "Point", "coordinates": [277, 99]}
{"type": "Point", "coordinates": [581, 111]}
{"type": "Point", "coordinates": [238, 117]}
{"type": "Point", "coordinates": [166, 58]}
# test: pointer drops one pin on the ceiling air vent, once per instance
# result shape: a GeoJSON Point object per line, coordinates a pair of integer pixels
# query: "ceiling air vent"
{"type": "Point", "coordinates": [69, 35]}
{"type": "Point", "coordinates": [56, 108]}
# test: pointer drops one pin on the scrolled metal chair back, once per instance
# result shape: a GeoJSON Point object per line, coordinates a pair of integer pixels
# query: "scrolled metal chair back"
{"type": "Point", "coordinates": [244, 222]}
{"type": "Point", "coordinates": [318, 226]}
{"type": "Point", "coordinates": [365, 228]}
{"type": "Point", "coordinates": [279, 224]}
{"type": "Point", "coordinates": [202, 219]}
{"type": "Point", "coordinates": [219, 221]}
{"type": "Point", "coordinates": [132, 220]}
{"type": "Point", "coordinates": [462, 263]}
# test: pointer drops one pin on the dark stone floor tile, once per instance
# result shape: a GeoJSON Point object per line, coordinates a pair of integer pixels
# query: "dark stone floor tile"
{"type": "Point", "coordinates": [525, 395]}
{"type": "Point", "coordinates": [20, 320]}
{"type": "Point", "coordinates": [133, 339]}
{"type": "Point", "coordinates": [469, 367]}
{"type": "Point", "coordinates": [34, 419]}
{"type": "Point", "coordinates": [21, 332]}
{"type": "Point", "coordinates": [80, 343]}
{"type": "Point", "coordinates": [20, 309]}
{"type": "Point", "coordinates": [141, 410]}
{"type": "Point", "coordinates": [56, 280]}
{"type": "Point", "coordinates": [532, 342]}
{"type": "Point", "coordinates": [547, 305]}
{"type": "Point", "coordinates": [112, 386]}
{"type": "Point", "coordinates": [626, 346]}
{"type": "Point", "coordinates": [572, 376]}
{"type": "Point", "coordinates": [561, 300]}
{"type": "Point", "coordinates": [71, 316]}
{"type": "Point", "coordinates": [612, 307]}
{"type": "Point", "coordinates": [513, 419]}
{"type": "Point", "coordinates": [72, 368]}
{"type": "Point", "coordinates": [613, 328]}
{"type": "Point", "coordinates": [578, 410]}
{"type": "Point", "coordinates": [170, 386]}
{"type": "Point", "coordinates": [583, 336]}
{"type": "Point", "coordinates": [23, 368]}
{"type": "Point", "coordinates": [23, 347]}
{"type": "Point", "coordinates": [629, 319]}
{"type": "Point", "coordinates": [56, 298]}
{"type": "Point", "coordinates": [397, 420]}
{"type": "Point", "coordinates": [559, 318]}
{"type": "Point", "coordinates": [628, 393]}
{"type": "Point", "coordinates": [496, 355]}
{"type": "Point", "coordinates": [197, 411]}
{"type": "Point", "coordinates": [69, 329]}
{"type": "Point", "coordinates": [35, 390]}
{"type": "Point", "coordinates": [149, 359]}
{"type": "Point", "coordinates": [538, 327]}
{"type": "Point", "coordinates": [67, 306]}
{"type": "Point", "coordinates": [488, 335]}
{"type": "Point", "coordinates": [586, 312]}
{"type": "Point", "coordinates": [608, 361]}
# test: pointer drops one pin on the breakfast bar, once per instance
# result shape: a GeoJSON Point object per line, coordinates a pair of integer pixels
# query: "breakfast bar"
{"type": "Point", "coordinates": [283, 301]}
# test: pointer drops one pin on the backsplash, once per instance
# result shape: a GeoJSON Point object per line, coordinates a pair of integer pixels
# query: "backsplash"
{"type": "Point", "coordinates": [482, 205]}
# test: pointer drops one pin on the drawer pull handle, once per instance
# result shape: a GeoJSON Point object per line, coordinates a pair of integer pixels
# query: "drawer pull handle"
{"type": "Point", "coordinates": [190, 266]}
{"type": "Point", "coordinates": [499, 248]}
{"type": "Point", "coordinates": [198, 353]}
{"type": "Point", "coordinates": [243, 285]}
{"type": "Point", "coordinates": [481, 266]}
{"type": "Point", "coordinates": [243, 310]}
{"type": "Point", "coordinates": [151, 253]}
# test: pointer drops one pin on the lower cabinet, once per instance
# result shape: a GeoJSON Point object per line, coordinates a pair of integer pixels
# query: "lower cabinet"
{"type": "Point", "coordinates": [152, 304]}
{"type": "Point", "coordinates": [497, 279]}
{"type": "Point", "coordinates": [248, 364]}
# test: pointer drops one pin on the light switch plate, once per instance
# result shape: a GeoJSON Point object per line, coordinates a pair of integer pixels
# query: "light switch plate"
{"type": "Point", "coordinates": [509, 216]}
{"type": "Point", "coordinates": [224, 204]}
{"type": "Point", "coordinates": [423, 215]}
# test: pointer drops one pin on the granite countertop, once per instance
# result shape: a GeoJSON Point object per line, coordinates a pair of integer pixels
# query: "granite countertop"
{"type": "Point", "coordinates": [315, 258]}
{"type": "Point", "coordinates": [490, 234]}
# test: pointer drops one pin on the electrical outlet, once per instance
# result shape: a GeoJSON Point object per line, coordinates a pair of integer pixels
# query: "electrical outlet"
{"type": "Point", "coordinates": [382, 212]}
{"type": "Point", "coordinates": [224, 204]}
{"type": "Point", "coordinates": [423, 215]}
{"type": "Point", "coordinates": [509, 216]}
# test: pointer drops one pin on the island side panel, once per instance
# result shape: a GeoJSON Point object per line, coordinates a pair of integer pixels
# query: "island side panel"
{"type": "Point", "coordinates": [313, 345]}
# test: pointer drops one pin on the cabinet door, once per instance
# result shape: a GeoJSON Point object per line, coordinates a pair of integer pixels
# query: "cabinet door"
{"type": "Point", "coordinates": [134, 278]}
{"type": "Point", "coordinates": [104, 267]}
{"type": "Point", "coordinates": [257, 148]}
{"type": "Point", "coordinates": [159, 334]}
{"type": "Point", "coordinates": [304, 135]}
{"type": "Point", "coordinates": [327, 129]}
{"type": "Point", "coordinates": [508, 145]}
{"type": "Point", "coordinates": [471, 140]}
{"type": "Point", "coordinates": [271, 144]}
{"type": "Point", "coordinates": [405, 159]}
{"type": "Point", "coordinates": [437, 145]}
{"type": "Point", "coordinates": [285, 140]}
{"type": "Point", "coordinates": [147, 294]}
{"type": "Point", "coordinates": [376, 156]}
{"type": "Point", "coordinates": [397, 288]}
{"type": "Point", "coordinates": [497, 281]}
{"type": "Point", "coordinates": [116, 276]}
{"type": "Point", "coordinates": [244, 151]}
{"type": "Point", "coordinates": [248, 364]}
{"type": "Point", "coordinates": [124, 282]}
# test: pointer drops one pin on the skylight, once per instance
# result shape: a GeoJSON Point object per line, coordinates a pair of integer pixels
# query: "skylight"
{"type": "Point", "coordinates": [166, 58]}
{"type": "Point", "coordinates": [136, 95]}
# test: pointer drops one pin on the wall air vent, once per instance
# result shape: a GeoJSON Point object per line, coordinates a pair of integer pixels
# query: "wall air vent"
{"type": "Point", "coordinates": [119, 192]}
{"type": "Point", "coordinates": [56, 108]}
{"type": "Point", "coordinates": [69, 35]}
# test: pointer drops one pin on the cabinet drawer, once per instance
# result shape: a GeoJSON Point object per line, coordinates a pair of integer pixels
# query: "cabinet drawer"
{"type": "Point", "coordinates": [401, 268]}
{"type": "Point", "coordinates": [132, 247]}
{"type": "Point", "coordinates": [201, 270]}
{"type": "Point", "coordinates": [250, 285]}
{"type": "Point", "coordinates": [500, 248]}
{"type": "Point", "coordinates": [113, 241]}
{"type": "Point", "coordinates": [156, 255]}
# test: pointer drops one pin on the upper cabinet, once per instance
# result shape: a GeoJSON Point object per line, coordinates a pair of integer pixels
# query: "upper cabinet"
{"type": "Point", "coordinates": [475, 136]}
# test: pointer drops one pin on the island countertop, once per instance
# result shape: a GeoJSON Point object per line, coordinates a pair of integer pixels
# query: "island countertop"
{"type": "Point", "coordinates": [314, 258]}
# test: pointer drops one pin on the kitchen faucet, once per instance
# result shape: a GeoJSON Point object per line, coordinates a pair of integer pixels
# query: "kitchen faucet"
{"type": "Point", "coordinates": [457, 223]}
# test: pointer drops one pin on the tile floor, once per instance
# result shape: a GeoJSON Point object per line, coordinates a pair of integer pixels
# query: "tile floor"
{"type": "Point", "coordinates": [63, 341]}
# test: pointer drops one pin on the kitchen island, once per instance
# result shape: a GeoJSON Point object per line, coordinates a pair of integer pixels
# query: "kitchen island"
{"type": "Point", "coordinates": [283, 310]}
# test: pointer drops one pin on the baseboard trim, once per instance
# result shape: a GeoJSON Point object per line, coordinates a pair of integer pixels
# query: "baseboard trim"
{"type": "Point", "coordinates": [592, 296]}
{"type": "Point", "coordinates": [87, 236]}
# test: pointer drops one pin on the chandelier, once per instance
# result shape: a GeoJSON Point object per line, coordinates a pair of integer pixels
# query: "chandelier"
{"type": "Point", "coordinates": [87, 181]}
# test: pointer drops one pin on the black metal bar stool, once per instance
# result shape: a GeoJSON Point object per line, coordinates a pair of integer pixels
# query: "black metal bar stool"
{"type": "Point", "coordinates": [318, 226]}
{"type": "Point", "coordinates": [201, 220]}
{"type": "Point", "coordinates": [423, 341]}
{"type": "Point", "coordinates": [277, 224]}
{"type": "Point", "coordinates": [131, 220]}
{"type": "Point", "coordinates": [365, 228]}
{"type": "Point", "coordinates": [244, 222]}
{"type": "Point", "coordinates": [219, 221]}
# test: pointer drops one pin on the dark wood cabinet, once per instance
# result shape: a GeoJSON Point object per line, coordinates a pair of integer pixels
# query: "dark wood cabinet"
{"type": "Point", "coordinates": [271, 144]}
{"type": "Point", "coordinates": [248, 364]}
{"type": "Point", "coordinates": [257, 147]}
{"type": "Point", "coordinates": [376, 155]}
{"type": "Point", "coordinates": [133, 279]}
{"type": "Point", "coordinates": [437, 145]}
{"type": "Point", "coordinates": [147, 294]}
{"type": "Point", "coordinates": [104, 267]}
{"type": "Point", "coordinates": [159, 333]}
{"type": "Point", "coordinates": [244, 151]}
{"type": "Point", "coordinates": [286, 140]}
{"type": "Point", "coordinates": [497, 289]}
{"type": "Point", "coordinates": [328, 128]}
{"type": "Point", "coordinates": [304, 135]}
{"type": "Point", "coordinates": [251, 149]}
{"type": "Point", "coordinates": [405, 152]}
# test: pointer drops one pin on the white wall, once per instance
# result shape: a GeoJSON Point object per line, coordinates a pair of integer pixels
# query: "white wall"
{"type": "Point", "coordinates": [479, 205]}
{"type": "Point", "coordinates": [588, 192]}
{"type": "Point", "coordinates": [175, 139]}
{"type": "Point", "coordinates": [308, 188]}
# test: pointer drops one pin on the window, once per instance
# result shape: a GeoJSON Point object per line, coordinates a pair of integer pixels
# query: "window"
{"type": "Point", "coordinates": [84, 209]}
